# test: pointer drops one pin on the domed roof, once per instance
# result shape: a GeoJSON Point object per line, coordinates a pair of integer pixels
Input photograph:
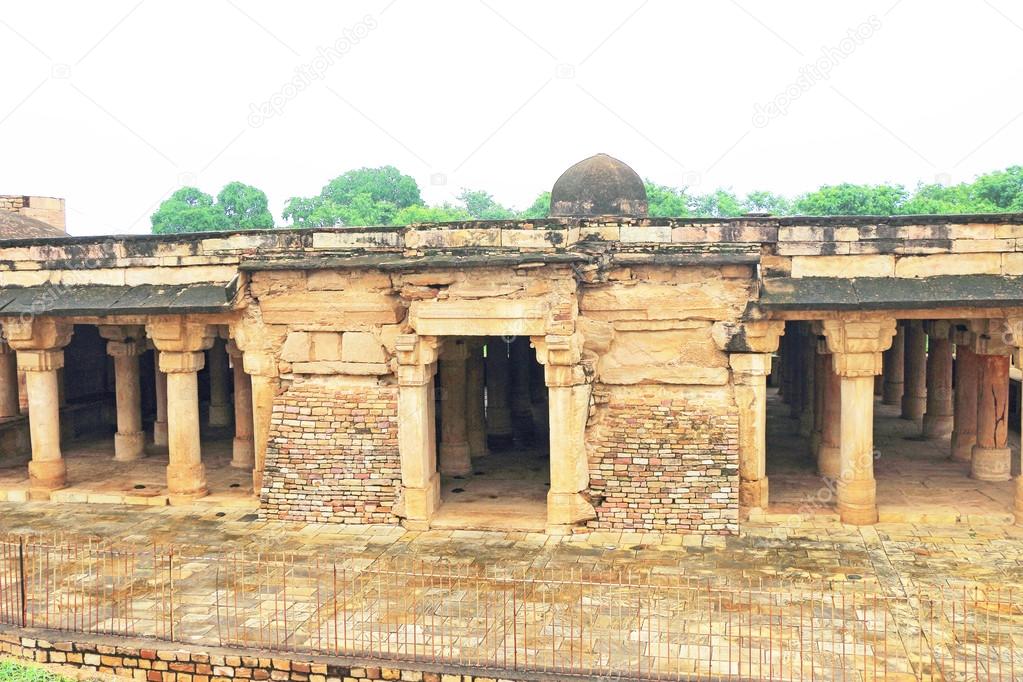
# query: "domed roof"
{"type": "Point", "coordinates": [17, 226]}
{"type": "Point", "coordinates": [599, 185]}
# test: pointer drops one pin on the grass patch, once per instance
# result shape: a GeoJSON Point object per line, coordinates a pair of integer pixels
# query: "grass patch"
{"type": "Point", "coordinates": [15, 672]}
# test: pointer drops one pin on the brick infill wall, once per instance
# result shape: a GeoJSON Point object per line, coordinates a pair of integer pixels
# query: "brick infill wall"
{"type": "Point", "coordinates": [154, 661]}
{"type": "Point", "coordinates": [666, 465]}
{"type": "Point", "coordinates": [332, 455]}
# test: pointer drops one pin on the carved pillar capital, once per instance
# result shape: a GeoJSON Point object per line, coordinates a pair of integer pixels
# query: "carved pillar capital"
{"type": "Point", "coordinates": [37, 333]}
{"type": "Point", "coordinates": [995, 336]}
{"type": "Point", "coordinates": [856, 344]}
{"type": "Point", "coordinates": [179, 333]}
{"type": "Point", "coordinates": [749, 368]}
{"type": "Point", "coordinates": [939, 329]}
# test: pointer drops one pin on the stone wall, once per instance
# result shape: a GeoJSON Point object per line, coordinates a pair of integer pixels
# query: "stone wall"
{"type": "Point", "coordinates": [332, 455]}
{"type": "Point", "coordinates": [153, 661]}
{"type": "Point", "coordinates": [50, 210]}
{"type": "Point", "coordinates": [665, 460]}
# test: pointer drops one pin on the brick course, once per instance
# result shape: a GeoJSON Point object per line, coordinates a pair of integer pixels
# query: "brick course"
{"type": "Point", "coordinates": [152, 661]}
{"type": "Point", "coordinates": [665, 464]}
{"type": "Point", "coordinates": [332, 455]}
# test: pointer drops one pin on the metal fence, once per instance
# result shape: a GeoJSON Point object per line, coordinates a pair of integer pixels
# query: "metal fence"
{"type": "Point", "coordinates": [581, 622]}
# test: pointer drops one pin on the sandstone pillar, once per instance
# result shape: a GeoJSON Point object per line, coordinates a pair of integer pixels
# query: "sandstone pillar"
{"type": "Point", "coordinates": [160, 425]}
{"type": "Point", "coordinates": [39, 343]}
{"type": "Point", "coordinates": [569, 404]}
{"type": "Point", "coordinates": [242, 450]}
{"type": "Point", "coordinates": [894, 369]}
{"type": "Point", "coordinates": [262, 372]}
{"type": "Point", "coordinates": [797, 382]}
{"type": "Point", "coordinates": [856, 346]}
{"type": "Point", "coordinates": [749, 378]}
{"type": "Point", "coordinates": [914, 397]}
{"type": "Point", "coordinates": [124, 345]}
{"type": "Point", "coordinates": [499, 423]}
{"type": "Point", "coordinates": [181, 343]}
{"type": "Point", "coordinates": [787, 387]}
{"type": "Point", "coordinates": [10, 405]}
{"type": "Point", "coordinates": [808, 355]}
{"type": "Point", "coordinates": [474, 403]}
{"type": "Point", "coordinates": [992, 457]}
{"type": "Point", "coordinates": [417, 438]}
{"type": "Point", "coordinates": [964, 412]}
{"type": "Point", "coordinates": [937, 420]}
{"type": "Point", "coordinates": [821, 366]}
{"type": "Point", "coordinates": [220, 408]}
{"type": "Point", "coordinates": [520, 355]}
{"type": "Point", "coordinates": [453, 453]}
{"type": "Point", "coordinates": [829, 451]}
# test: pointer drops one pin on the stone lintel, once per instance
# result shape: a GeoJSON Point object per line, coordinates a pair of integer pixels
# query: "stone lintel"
{"type": "Point", "coordinates": [181, 361]}
{"type": "Point", "coordinates": [509, 317]}
{"type": "Point", "coordinates": [332, 367]}
{"type": "Point", "coordinates": [40, 360]}
{"type": "Point", "coordinates": [37, 333]}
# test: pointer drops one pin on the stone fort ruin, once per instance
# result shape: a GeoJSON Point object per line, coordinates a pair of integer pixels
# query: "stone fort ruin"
{"type": "Point", "coordinates": [596, 369]}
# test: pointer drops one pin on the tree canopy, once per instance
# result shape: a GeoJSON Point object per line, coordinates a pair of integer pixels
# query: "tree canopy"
{"type": "Point", "coordinates": [385, 196]}
{"type": "Point", "coordinates": [238, 207]}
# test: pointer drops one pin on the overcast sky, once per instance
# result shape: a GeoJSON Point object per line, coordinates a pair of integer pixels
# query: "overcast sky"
{"type": "Point", "coordinates": [114, 105]}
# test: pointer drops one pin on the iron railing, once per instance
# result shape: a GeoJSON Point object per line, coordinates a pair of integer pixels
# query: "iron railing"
{"type": "Point", "coordinates": [635, 624]}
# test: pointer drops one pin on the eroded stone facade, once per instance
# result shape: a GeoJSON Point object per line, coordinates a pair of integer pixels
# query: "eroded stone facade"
{"type": "Point", "coordinates": [656, 337]}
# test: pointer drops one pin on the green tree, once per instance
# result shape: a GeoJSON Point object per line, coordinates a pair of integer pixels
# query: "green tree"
{"type": "Point", "coordinates": [481, 205]}
{"type": "Point", "coordinates": [364, 196]}
{"type": "Point", "coordinates": [666, 202]}
{"type": "Point", "coordinates": [245, 206]}
{"type": "Point", "coordinates": [430, 214]}
{"type": "Point", "coordinates": [849, 199]}
{"type": "Point", "coordinates": [718, 204]}
{"type": "Point", "coordinates": [540, 208]}
{"type": "Point", "coordinates": [766, 202]}
{"type": "Point", "coordinates": [189, 210]}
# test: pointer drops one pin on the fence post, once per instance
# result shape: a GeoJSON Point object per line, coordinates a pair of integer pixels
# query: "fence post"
{"type": "Point", "coordinates": [21, 578]}
{"type": "Point", "coordinates": [170, 598]}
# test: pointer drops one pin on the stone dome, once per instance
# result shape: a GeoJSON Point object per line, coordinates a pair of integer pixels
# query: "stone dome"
{"type": "Point", "coordinates": [599, 185]}
{"type": "Point", "coordinates": [17, 226]}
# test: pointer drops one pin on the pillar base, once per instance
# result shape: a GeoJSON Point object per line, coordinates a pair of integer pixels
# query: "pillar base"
{"type": "Point", "coordinates": [48, 475]}
{"type": "Point", "coordinates": [243, 453]}
{"type": "Point", "coordinates": [857, 502]}
{"type": "Point", "coordinates": [891, 394]}
{"type": "Point", "coordinates": [159, 433]}
{"type": "Point", "coordinates": [419, 504]}
{"type": "Point", "coordinates": [753, 494]}
{"type": "Point", "coordinates": [186, 482]}
{"type": "Point", "coordinates": [454, 459]}
{"type": "Point", "coordinates": [937, 426]}
{"type": "Point", "coordinates": [129, 446]}
{"type": "Point", "coordinates": [913, 408]}
{"type": "Point", "coordinates": [962, 451]}
{"type": "Point", "coordinates": [828, 461]}
{"type": "Point", "coordinates": [1019, 500]}
{"type": "Point", "coordinates": [220, 415]}
{"type": "Point", "coordinates": [477, 444]}
{"type": "Point", "coordinates": [257, 481]}
{"type": "Point", "coordinates": [991, 464]}
{"type": "Point", "coordinates": [565, 510]}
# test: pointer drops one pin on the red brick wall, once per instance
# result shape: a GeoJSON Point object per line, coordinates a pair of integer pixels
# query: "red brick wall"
{"type": "Point", "coordinates": [152, 661]}
{"type": "Point", "coordinates": [665, 461]}
{"type": "Point", "coordinates": [332, 455]}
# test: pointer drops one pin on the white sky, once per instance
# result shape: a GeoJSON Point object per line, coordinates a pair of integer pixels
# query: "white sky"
{"type": "Point", "coordinates": [114, 105]}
